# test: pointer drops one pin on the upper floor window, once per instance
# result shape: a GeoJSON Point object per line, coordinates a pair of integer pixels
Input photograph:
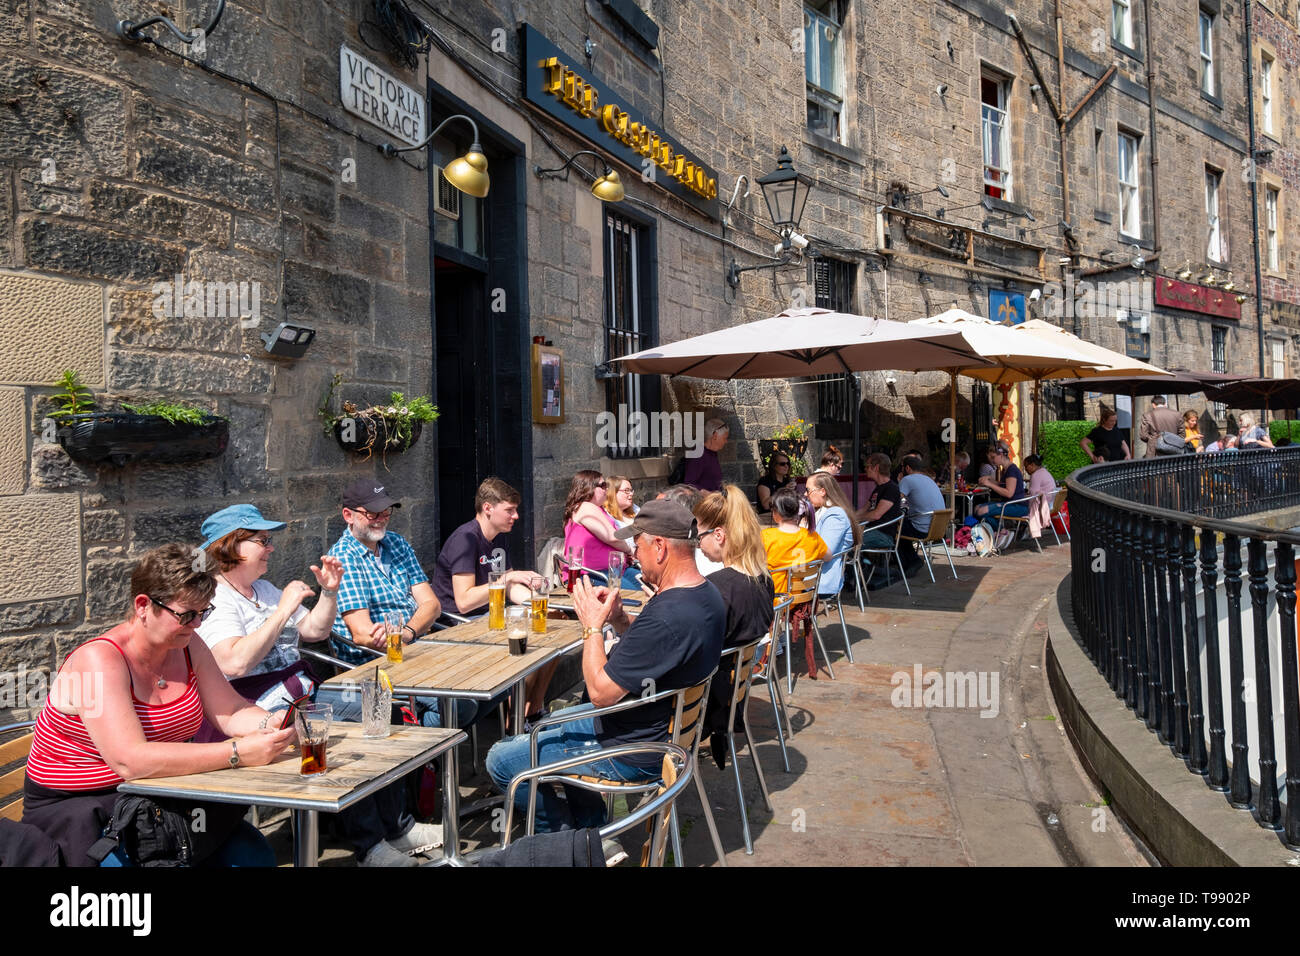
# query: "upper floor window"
{"type": "Point", "coordinates": [1130, 197]}
{"type": "Point", "coordinates": [1278, 348]}
{"type": "Point", "coordinates": [1267, 69]}
{"type": "Point", "coordinates": [1216, 248]}
{"type": "Point", "coordinates": [823, 54]}
{"type": "Point", "coordinates": [1121, 22]}
{"type": "Point", "coordinates": [995, 136]}
{"type": "Point", "coordinates": [1208, 81]}
{"type": "Point", "coordinates": [1272, 238]}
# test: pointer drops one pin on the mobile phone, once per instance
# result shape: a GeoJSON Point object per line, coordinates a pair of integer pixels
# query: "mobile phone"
{"type": "Point", "coordinates": [630, 602]}
{"type": "Point", "coordinates": [293, 710]}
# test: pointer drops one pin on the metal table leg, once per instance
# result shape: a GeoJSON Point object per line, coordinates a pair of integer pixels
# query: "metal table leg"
{"type": "Point", "coordinates": [306, 838]}
{"type": "Point", "coordinates": [451, 790]}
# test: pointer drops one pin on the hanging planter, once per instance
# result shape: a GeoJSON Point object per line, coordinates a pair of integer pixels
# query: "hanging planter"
{"type": "Point", "coordinates": [122, 437]}
{"type": "Point", "coordinates": [364, 433]}
{"type": "Point", "coordinates": [383, 429]}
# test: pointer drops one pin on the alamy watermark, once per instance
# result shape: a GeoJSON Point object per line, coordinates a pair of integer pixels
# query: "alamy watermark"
{"type": "Point", "coordinates": [198, 299]}
{"type": "Point", "coordinates": [949, 689]}
{"type": "Point", "coordinates": [626, 429]}
{"type": "Point", "coordinates": [1086, 300]}
{"type": "Point", "coordinates": [23, 688]}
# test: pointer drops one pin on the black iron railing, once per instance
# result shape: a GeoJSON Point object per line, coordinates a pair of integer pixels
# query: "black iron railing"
{"type": "Point", "coordinates": [1138, 530]}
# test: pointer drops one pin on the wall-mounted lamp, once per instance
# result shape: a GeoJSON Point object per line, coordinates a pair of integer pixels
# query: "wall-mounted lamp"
{"type": "Point", "coordinates": [1186, 272]}
{"type": "Point", "coordinates": [607, 187]}
{"type": "Point", "coordinates": [1207, 278]}
{"type": "Point", "coordinates": [132, 31]}
{"type": "Point", "coordinates": [1229, 285]}
{"type": "Point", "coordinates": [785, 191]}
{"type": "Point", "coordinates": [289, 341]}
{"type": "Point", "coordinates": [467, 173]}
{"type": "Point", "coordinates": [924, 278]}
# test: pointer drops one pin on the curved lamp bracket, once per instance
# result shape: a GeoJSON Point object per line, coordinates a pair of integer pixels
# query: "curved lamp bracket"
{"type": "Point", "coordinates": [131, 31]}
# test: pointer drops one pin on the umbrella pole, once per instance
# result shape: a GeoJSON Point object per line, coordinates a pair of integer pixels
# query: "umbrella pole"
{"type": "Point", "coordinates": [856, 390]}
{"type": "Point", "coordinates": [1033, 448]}
{"type": "Point", "coordinates": [952, 442]}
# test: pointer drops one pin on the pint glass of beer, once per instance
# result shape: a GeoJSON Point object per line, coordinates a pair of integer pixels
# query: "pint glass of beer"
{"type": "Point", "coordinates": [541, 589]}
{"type": "Point", "coordinates": [394, 621]}
{"type": "Point", "coordinates": [496, 600]}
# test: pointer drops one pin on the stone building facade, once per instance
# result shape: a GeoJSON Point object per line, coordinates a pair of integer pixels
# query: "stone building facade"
{"type": "Point", "coordinates": [127, 164]}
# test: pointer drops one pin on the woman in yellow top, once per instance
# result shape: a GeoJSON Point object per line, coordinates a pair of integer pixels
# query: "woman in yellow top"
{"type": "Point", "coordinates": [1191, 433]}
{"type": "Point", "coordinates": [788, 543]}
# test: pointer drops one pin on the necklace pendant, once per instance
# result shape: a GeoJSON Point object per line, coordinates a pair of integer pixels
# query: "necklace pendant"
{"type": "Point", "coordinates": [162, 682]}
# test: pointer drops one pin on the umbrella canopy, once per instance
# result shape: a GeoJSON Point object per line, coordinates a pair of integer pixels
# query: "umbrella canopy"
{"type": "Point", "coordinates": [1108, 362]}
{"type": "Point", "coordinates": [1015, 357]}
{"type": "Point", "coordinates": [1265, 393]}
{"type": "Point", "coordinates": [1176, 382]}
{"type": "Point", "coordinates": [806, 342]}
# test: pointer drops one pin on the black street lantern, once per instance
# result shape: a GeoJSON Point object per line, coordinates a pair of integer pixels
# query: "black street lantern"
{"type": "Point", "coordinates": [785, 192]}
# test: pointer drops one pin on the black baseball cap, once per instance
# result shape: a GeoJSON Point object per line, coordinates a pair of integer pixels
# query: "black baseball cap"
{"type": "Point", "coordinates": [369, 493]}
{"type": "Point", "coordinates": [662, 518]}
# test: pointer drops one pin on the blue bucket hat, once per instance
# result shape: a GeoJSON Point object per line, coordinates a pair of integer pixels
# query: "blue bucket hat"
{"type": "Point", "coordinates": [230, 519]}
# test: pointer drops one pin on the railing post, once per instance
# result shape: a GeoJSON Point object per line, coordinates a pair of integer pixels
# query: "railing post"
{"type": "Point", "coordinates": [1284, 575]}
{"type": "Point", "coordinates": [1269, 812]}
{"type": "Point", "coordinates": [1196, 717]}
{"type": "Point", "coordinates": [1173, 617]}
{"type": "Point", "coordinates": [1134, 670]}
{"type": "Point", "coordinates": [1239, 796]}
{"type": "Point", "coordinates": [1151, 626]}
{"type": "Point", "coordinates": [1106, 597]}
{"type": "Point", "coordinates": [1218, 769]}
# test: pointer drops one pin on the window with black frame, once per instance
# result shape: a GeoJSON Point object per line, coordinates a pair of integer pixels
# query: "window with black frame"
{"type": "Point", "coordinates": [630, 326]}
{"type": "Point", "coordinates": [833, 281]}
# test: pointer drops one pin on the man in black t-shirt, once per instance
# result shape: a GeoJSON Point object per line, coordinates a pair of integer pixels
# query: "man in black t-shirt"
{"type": "Point", "coordinates": [885, 505]}
{"type": "Point", "coordinates": [675, 642]}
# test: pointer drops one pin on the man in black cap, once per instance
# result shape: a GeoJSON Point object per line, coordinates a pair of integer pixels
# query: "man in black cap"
{"type": "Point", "coordinates": [674, 642]}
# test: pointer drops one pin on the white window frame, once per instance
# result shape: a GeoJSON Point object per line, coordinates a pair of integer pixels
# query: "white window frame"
{"type": "Point", "coordinates": [1121, 22]}
{"type": "Point", "coordinates": [815, 21]}
{"type": "Point", "coordinates": [1267, 66]}
{"type": "Point", "coordinates": [1130, 184]}
{"type": "Point", "coordinates": [1277, 356]}
{"type": "Point", "coordinates": [1216, 248]}
{"type": "Point", "coordinates": [1205, 31]}
{"type": "Point", "coordinates": [995, 124]}
{"type": "Point", "coordinates": [1272, 250]}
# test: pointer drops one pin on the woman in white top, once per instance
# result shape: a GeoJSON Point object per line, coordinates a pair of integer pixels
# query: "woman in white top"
{"type": "Point", "coordinates": [254, 628]}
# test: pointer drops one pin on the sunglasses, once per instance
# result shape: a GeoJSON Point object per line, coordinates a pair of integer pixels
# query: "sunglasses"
{"type": "Point", "coordinates": [263, 539]}
{"type": "Point", "coordinates": [602, 484]}
{"type": "Point", "coordinates": [783, 464]}
{"type": "Point", "coordinates": [186, 618]}
{"type": "Point", "coordinates": [386, 513]}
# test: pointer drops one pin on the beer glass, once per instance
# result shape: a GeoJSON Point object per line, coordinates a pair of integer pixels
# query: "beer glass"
{"type": "Point", "coordinates": [496, 600]}
{"type": "Point", "coordinates": [517, 628]}
{"type": "Point", "coordinates": [541, 589]}
{"type": "Point", "coordinates": [312, 722]}
{"type": "Point", "coordinates": [394, 621]}
{"type": "Point", "coordinates": [573, 556]}
{"type": "Point", "coordinates": [617, 561]}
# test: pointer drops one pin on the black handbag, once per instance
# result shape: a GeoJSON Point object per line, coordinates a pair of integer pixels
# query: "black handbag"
{"type": "Point", "coordinates": [166, 832]}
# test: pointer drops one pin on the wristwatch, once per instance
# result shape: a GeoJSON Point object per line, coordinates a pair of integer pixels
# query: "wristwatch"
{"type": "Point", "coordinates": [414, 636]}
{"type": "Point", "coordinates": [234, 753]}
{"type": "Point", "coordinates": [588, 631]}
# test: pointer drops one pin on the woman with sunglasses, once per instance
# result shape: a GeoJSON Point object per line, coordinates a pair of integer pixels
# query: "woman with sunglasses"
{"type": "Point", "coordinates": [125, 705]}
{"type": "Point", "coordinates": [588, 526]}
{"type": "Point", "coordinates": [619, 504]}
{"type": "Point", "coordinates": [777, 477]}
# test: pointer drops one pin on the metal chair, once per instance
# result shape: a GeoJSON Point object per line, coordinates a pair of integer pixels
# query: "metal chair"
{"type": "Point", "coordinates": [1032, 502]}
{"type": "Point", "coordinates": [865, 551]}
{"type": "Point", "coordinates": [742, 671]}
{"type": "Point", "coordinates": [763, 670]}
{"type": "Point", "coordinates": [829, 600]}
{"type": "Point", "coordinates": [679, 767]}
{"type": "Point", "coordinates": [1058, 502]}
{"type": "Point", "coordinates": [600, 577]}
{"type": "Point", "coordinates": [939, 523]}
{"type": "Point", "coordinates": [801, 582]}
{"type": "Point", "coordinates": [684, 730]}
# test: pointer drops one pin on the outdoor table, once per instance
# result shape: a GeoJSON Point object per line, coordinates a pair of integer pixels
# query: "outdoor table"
{"type": "Point", "coordinates": [626, 594]}
{"type": "Point", "coordinates": [970, 494]}
{"type": "Point", "coordinates": [448, 669]}
{"type": "Point", "coordinates": [358, 766]}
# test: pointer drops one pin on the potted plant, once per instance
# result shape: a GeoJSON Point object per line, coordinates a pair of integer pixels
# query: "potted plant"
{"type": "Point", "coordinates": [158, 431]}
{"type": "Point", "coordinates": [889, 440]}
{"type": "Point", "coordinates": [393, 426]}
{"type": "Point", "coordinates": [792, 440]}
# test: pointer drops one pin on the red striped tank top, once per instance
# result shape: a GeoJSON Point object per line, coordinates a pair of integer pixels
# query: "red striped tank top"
{"type": "Point", "coordinates": [64, 757]}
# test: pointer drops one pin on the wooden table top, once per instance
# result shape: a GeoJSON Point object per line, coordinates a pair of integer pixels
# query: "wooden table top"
{"type": "Point", "coordinates": [564, 601]}
{"type": "Point", "coordinates": [358, 766]}
{"type": "Point", "coordinates": [560, 633]}
{"type": "Point", "coordinates": [434, 668]}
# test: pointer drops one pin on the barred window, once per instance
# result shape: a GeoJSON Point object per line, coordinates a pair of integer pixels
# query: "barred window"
{"type": "Point", "coordinates": [630, 326]}
{"type": "Point", "coordinates": [833, 287]}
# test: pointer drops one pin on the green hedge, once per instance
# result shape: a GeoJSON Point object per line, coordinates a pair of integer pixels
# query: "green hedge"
{"type": "Point", "coordinates": [1058, 443]}
{"type": "Point", "coordinates": [1284, 429]}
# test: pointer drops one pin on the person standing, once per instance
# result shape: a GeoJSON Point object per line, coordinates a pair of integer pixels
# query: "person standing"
{"type": "Point", "coordinates": [1105, 442]}
{"type": "Point", "coordinates": [1191, 429]}
{"type": "Point", "coordinates": [705, 472]}
{"type": "Point", "coordinates": [1157, 420]}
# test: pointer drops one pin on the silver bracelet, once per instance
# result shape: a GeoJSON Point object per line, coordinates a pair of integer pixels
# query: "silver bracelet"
{"type": "Point", "coordinates": [329, 592]}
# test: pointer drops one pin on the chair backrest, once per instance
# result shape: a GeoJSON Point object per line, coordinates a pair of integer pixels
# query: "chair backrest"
{"type": "Point", "coordinates": [801, 581]}
{"type": "Point", "coordinates": [741, 666]}
{"type": "Point", "coordinates": [688, 715]}
{"type": "Point", "coordinates": [1059, 501]}
{"type": "Point", "coordinates": [11, 783]}
{"type": "Point", "coordinates": [896, 524]}
{"type": "Point", "coordinates": [939, 524]}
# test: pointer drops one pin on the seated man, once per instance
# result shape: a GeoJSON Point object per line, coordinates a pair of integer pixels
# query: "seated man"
{"type": "Point", "coordinates": [675, 642]}
{"type": "Point", "coordinates": [923, 498]}
{"type": "Point", "coordinates": [1010, 488]}
{"type": "Point", "coordinates": [885, 505]}
{"type": "Point", "coordinates": [460, 577]}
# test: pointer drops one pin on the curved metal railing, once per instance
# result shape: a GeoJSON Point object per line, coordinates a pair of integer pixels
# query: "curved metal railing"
{"type": "Point", "coordinates": [1138, 530]}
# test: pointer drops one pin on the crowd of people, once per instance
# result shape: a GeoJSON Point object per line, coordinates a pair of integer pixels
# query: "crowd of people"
{"type": "Point", "coordinates": [1165, 431]}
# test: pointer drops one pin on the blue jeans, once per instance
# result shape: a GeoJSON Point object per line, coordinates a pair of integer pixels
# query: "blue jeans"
{"type": "Point", "coordinates": [245, 847]}
{"type": "Point", "coordinates": [583, 808]}
{"type": "Point", "coordinates": [347, 707]}
{"type": "Point", "coordinates": [1011, 511]}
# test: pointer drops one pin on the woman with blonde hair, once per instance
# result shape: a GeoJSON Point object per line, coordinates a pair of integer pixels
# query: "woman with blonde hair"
{"type": "Point", "coordinates": [730, 534]}
{"type": "Point", "coordinates": [1251, 434]}
{"type": "Point", "coordinates": [833, 526]}
{"type": "Point", "coordinates": [618, 503]}
{"type": "Point", "coordinates": [1191, 429]}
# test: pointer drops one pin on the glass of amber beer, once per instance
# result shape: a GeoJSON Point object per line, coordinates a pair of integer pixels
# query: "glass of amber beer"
{"type": "Point", "coordinates": [496, 600]}
{"type": "Point", "coordinates": [313, 725]}
{"type": "Point", "coordinates": [541, 589]}
{"type": "Point", "coordinates": [394, 621]}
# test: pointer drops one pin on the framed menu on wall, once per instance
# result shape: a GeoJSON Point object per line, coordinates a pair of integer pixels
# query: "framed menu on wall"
{"type": "Point", "coordinates": [548, 385]}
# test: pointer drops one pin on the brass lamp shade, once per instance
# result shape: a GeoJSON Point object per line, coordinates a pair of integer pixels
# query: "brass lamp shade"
{"type": "Point", "coordinates": [608, 188]}
{"type": "Point", "coordinates": [469, 172]}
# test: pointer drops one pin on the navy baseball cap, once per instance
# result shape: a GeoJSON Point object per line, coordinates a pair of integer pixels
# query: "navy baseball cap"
{"type": "Point", "coordinates": [230, 519]}
{"type": "Point", "coordinates": [369, 493]}
{"type": "Point", "coordinates": [661, 518]}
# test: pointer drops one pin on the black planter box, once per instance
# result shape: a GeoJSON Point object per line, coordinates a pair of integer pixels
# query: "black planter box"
{"type": "Point", "coordinates": [122, 437]}
{"type": "Point", "coordinates": [371, 436]}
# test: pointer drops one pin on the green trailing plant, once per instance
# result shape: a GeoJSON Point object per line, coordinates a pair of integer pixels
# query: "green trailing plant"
{"type": "Point", "coordinates": [1058, 443]}
{"type": "Point", "coordinates": [176, 413]}
{"type": "Point", "coordinates": [74, 398]}
{"type": "Point", "coordinates": [890, 439]}
{"type": "Point", "coordinates": [399, 416]}
{"type": "Point", "coordinates": [795, 431]}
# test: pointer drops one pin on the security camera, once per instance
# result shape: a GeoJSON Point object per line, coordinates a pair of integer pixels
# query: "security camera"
{"type": "Point", "coordinates": [1035, 295]}
{"type": "Point", "coordinates": [891, 381]}
{"type": "Point", "coordinates": [798, 241]}
{"type": "Point", "coordinates": [289, 341]}
{"type": "Point", "coordinates": [942, 89]}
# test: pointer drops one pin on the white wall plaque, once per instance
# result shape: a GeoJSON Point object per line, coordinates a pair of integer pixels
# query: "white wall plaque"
{"type": "Point", "coordinates": [379, 98]}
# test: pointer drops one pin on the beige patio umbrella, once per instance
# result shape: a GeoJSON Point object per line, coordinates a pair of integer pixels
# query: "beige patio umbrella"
{"type": "Point", "coordinates": [1016, 358]}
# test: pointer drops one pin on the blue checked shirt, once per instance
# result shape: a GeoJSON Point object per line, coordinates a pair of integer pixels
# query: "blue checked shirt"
{"type": "Point", "coordinates": [378, 584]}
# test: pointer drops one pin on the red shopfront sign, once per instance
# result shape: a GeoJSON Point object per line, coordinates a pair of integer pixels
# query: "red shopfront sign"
{"type": "Point", "coordinates": [1197, 298]}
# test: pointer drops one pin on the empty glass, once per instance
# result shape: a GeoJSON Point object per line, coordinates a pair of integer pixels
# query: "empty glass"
{"type": "Point", "coordinates": [617, 561]}
{"type": "Point", "coordinates": [376, 708]}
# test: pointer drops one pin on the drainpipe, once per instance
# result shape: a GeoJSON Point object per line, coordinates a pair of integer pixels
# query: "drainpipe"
{"type": "Point", "coordinates": [1151, 112]}
{"type": "Point", "coordinates": [1254, 187]}
{"type": "Point", "coordinates": [1060, 120]}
